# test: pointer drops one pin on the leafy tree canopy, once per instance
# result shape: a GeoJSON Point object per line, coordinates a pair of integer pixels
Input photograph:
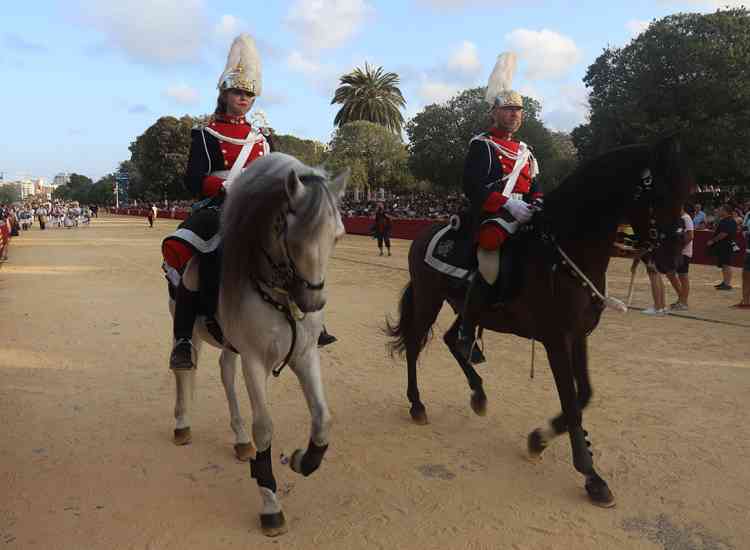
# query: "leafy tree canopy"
{"type": "Point", "coordinates": [370, 94]}
{"type": "Point", "coordinates": [309, 151]}
{"type": "Point", "coordinates": [10, 192]}
{"type": "Point", "coordinates": [76, 189]}
{"type": "Point", "coordinates": [159, 156]}
{"type": "Point", "coordinates": [376, 156]}
{"type": "Point", "coordinates": [687, 72]}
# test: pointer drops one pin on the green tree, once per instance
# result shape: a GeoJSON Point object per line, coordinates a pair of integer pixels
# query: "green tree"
{"type": "Point", "coordinates": [10, 192]}
{"type": "Point", "coordinates": [76, 189]}
{"type": "Point", "coordinates": [439, 139]}
{"type": "Point", "coordinates": [370, 94]}
{"type": "Point", "coordinates": [101, 192]}
{"type": "Point", "coordinates": [686, 73]}
{"type": "Point", "coordinates": [309, 151]}
{"type": "Point", "coordinates": [376, 156]}
{"type": "Point", "coordinates": [159, 156]}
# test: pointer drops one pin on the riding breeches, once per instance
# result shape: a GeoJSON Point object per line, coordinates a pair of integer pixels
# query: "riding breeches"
{"type": "Point", "coordinates": [493, 232]}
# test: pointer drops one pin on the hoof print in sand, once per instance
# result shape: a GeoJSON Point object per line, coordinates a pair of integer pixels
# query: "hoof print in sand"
{"type": "Point", "coordinates": [662, 531]}
{"type": "Point", "coordinates": [436, 471]}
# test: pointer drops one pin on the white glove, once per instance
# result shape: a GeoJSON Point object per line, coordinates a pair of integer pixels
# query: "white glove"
{"type": "Point", "coordinates": [519, 210]}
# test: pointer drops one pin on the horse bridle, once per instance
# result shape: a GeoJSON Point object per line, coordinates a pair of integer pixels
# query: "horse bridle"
{"type": "Point", "coordinates": [285, 274]}
{"type": "Point", "coordinates": [645, 190]}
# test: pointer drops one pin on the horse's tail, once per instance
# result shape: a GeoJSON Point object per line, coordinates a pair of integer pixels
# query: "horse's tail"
{"type": "Point", "coordinates": [404, 332]}
{"type": "Point", "coordinates": [400, 332]}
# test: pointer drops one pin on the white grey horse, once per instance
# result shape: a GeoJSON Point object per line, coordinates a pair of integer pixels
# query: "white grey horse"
{"type": "Point", "coordinates": [280, 223]}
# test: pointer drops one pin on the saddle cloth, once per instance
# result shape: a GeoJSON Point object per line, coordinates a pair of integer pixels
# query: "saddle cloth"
{"type": "Point", "coordinates": [452, 251]}
{"type": "Point", "coordinates": [199, 234]}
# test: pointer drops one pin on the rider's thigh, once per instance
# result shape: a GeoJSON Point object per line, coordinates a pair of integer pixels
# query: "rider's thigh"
{"type": "Point", "coordinates": [191, 275]}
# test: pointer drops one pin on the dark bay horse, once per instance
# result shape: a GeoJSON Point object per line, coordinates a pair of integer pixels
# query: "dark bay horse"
{"type": "Point", "coordinates": [645, 185]}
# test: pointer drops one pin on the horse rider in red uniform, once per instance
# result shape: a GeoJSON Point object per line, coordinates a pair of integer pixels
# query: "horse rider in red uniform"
{"type": "Point", "coordinates": [500, 182]}
{"type": "Point", "coordinates": [219, 152]}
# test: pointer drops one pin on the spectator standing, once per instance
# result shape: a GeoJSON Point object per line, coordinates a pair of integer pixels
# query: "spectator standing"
{"type": "Point", "coordinates": [679, 277]}
{"type": "Point", "coordinates": [41, 214]}
{"type": "Point", "coordinates": [152, 212]}
{"type": "Point", "coordinates": [382, 228]}
{"type": "Point", "coordinates": [699, 218]}
{"type": "Point", "coordinates": [745, 303]}
{"type": "Point", "coordinates": [721, 244]}
{"type": "Point", "coordinates": [655, 269]}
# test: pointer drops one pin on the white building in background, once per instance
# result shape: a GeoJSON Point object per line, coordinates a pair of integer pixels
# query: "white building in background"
{"type": "Point", "coordinates": [61, 179]}
{"type": "Point", "coordinates": [27, 189]}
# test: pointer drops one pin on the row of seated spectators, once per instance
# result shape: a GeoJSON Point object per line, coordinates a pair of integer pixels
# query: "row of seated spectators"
{"type": "Point", "coordinates": [416, 205]}
{"type": "Point", "coordinates": [410, 205]}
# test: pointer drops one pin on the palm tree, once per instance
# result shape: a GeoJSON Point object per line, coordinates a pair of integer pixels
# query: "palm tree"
{"type": "Point", "coordinates": [370, 94]}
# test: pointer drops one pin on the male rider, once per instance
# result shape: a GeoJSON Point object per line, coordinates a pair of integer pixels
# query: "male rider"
{"type": "Point", "coordinates": [499, 181]}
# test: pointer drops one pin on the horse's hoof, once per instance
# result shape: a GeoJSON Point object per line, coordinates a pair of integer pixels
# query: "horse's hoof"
{"type": "Point", "coordinates": [599, 492]}
{"type": "Point", "coordinates": [419, 415]}
{"type": "Point", "coordinates": [535, 445]}
{"type": "Point", "coordinates": [244, 451]}
{"type": "Point", "coordinates": [479, 404]}
{"type": "Point", "coordinates": [182, 436]}
{"type": "Point", "coordinates": [477, 357]}
{"type": "Point", "coordinates": [273, 525]}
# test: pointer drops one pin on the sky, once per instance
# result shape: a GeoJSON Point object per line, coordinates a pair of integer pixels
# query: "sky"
{"type": "Point", "coordinates": [81, 79]}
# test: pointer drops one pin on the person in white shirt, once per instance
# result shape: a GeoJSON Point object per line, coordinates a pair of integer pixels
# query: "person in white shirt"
{"type": "Point", "coordinates": [152, 213]}
{"type": "Point", "coordinates": [679, 277]}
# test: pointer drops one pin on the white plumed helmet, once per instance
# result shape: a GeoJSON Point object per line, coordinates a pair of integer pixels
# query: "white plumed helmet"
{"type": "Point", "coordinates": [499, 92]}
{"type": "Point", "coordinates": [243, 67]}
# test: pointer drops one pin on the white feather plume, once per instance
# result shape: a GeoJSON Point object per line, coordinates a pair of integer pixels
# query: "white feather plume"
{"type": "Point", "coordinates": [501, 79]}
{"type": "Point", "coordinates": [244, 51]}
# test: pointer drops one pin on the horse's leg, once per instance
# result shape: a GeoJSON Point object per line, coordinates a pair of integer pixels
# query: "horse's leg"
{"type": "Point", "coordinates": [540, 438]}
{"type": "Point", "coordinates": [560, 354]}
{"type": "Point", "coordinates": [307, 370]}
{"type": "Point", "coordinates": [243, 448]}
{"type": "Point", "coordinates": [425, 313]}
{"type": "Point", "coordinates": [478, 397]}
{"type": "Point", "coordinates": [272, 520]}
{"type": "Point", "coordinates": [185, 378]}
{"type": "Point", "coordinates": [185, 384]}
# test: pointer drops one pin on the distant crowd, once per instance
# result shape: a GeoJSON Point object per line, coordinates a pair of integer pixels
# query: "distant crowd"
{"type": "Point", "coordinates": [427, 205]}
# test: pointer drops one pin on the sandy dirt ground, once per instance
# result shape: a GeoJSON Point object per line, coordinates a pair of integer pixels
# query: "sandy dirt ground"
{"type": "Point", "coordinates": [86, 401]}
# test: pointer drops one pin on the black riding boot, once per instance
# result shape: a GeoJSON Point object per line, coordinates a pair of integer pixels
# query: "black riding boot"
{"type": "Point", "coordinates": [324, 339]}
{"type": "Point", "coordinates": [185, 311]}
{"type": "Point", "coordinates": [477, 299]}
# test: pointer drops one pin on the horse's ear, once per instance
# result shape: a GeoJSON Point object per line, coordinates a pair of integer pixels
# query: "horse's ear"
{"type": "Point", "coordinates": [293, 187]}
{"type": "Point", "coordinates": [338, 186]}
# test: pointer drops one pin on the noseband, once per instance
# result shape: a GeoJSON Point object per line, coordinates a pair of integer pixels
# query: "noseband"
{"type": "Point", "coordinates": [284, 274]}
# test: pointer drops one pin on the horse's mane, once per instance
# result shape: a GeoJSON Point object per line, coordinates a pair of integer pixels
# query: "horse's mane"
{"type": "Point", "coordinates": [251, 210]}
{"type": "Point", "coordinates": [594, 196]}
